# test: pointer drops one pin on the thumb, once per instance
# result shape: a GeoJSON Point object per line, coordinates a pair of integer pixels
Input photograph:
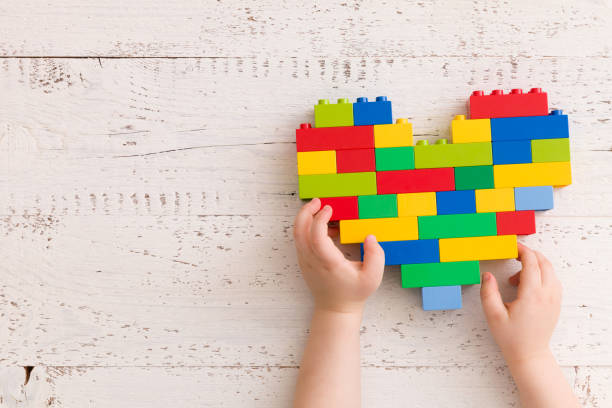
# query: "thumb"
{"type": "Point", "coordinates": [373, 258]}
{"type": "Point", "coordinates": [492, 303]}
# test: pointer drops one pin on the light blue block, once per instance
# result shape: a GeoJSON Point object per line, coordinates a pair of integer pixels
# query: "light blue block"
{"type": "Point", "coordinates": [533, 198]}
{"type": "Point", "coordinates": [441, 297]}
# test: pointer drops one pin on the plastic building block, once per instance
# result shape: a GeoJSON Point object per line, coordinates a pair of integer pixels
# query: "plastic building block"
{"type": "Point", "coordinates": [552, 126]}
{"type": "Point", "coordinates": [384, 229]}
{"type": "Point", "coordinates": [437, 210]}
{"type": "Point", "coordinates": [343, 208]}
{"type": "Point", "coordinates": [413, 204]}
{"type": "Point", "coordinates": [441, 297]}
{"type": "Point", "coordinates": [457, 225]}
{"type": "Point", "coordinates": [550, 150]}
{"type": "Point", "coordinates": [477, 248]}
{"type": "Point", "coordinates": [533, 198]}
{"type": "Point", "coordinates": [512, 152]}
{"type": "Point", "coordinates": [532, 174]}
{"type": "Point", "coordinates": [337, 185]}
{"type": "Point", "coordinates": [415, 181]}
{"type": "Point", "coordinates": [393, 135]}
{"type": "Point", "coordinates": [410, 252]}
{"type": "Point", "coordinates": [456, 202]}
{"type": "Point", "coordinates": [470, 130]}
{"type": "Point", "coordinates": [330, 115]}
{"type": "Point", "coordinates": [372, 113]}
{"type": "Point", "coordinates": [378, 206]}
{"type": "Point", "coordinates": [355, 160]}
{"type": "Point", "coordinates": [308, 139]}
{"type": "Point", "coordinates": [516, 223]}
{"type": "Point", "coordinates": [440, 274]}
{"type": "Point", "coordinates": [452, 155]}
{"type": "Point", "coordinates": [474, 177]}
{"type": "Point", "coordinates": [500, 105]}
{"type": "Point", "coordinates": [395, 158]}
{"type": "Point", "coordinates": [494, 200]}
{"type": "Point", "coordinates": [316, 162]}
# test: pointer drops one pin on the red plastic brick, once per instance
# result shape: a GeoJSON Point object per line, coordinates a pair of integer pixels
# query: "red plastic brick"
{"type": "Point", "coordinates": [415, 181]}
{"type": "Point", "coordinates": [516, 223]}
{"type": "Point", "coordinates": [356, 160]}
{"type": "Point", "coordinates": [516, 103]}
{"type": "Point", "coordinates": [309, 139]}
{"type": "Point", "coordinates": [343, 208]}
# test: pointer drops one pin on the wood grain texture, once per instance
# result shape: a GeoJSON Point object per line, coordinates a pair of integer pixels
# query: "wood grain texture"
{"type": "Point", "coordinates": [146, 202]}
{"type": "Point", "coordinates": [272, 386]}
{"type": "Point", "coordinates": [413, 28]}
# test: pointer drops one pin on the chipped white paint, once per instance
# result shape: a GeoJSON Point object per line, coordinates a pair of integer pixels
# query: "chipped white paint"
{"type": "Point", "coordinates": [146, 204]}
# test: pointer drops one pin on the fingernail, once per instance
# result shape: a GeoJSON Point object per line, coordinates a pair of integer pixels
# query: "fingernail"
{"type": "Point", "coordinates": [371, 238]}
{"type": "Point", "coordinates": [486, 276]}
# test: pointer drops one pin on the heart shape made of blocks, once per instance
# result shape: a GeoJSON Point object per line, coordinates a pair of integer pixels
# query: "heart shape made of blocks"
{"type": "Point", "coordinates": [437, 210]}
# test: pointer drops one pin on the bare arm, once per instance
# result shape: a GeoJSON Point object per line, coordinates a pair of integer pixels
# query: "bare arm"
{"type": "Point", "coordinates": [523, 328]}
{"type": "Point", "coordinates": [330, 373]}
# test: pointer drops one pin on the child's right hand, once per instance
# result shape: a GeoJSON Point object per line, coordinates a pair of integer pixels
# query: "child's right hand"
{"type": "Point", "coordinates": [523, 328]}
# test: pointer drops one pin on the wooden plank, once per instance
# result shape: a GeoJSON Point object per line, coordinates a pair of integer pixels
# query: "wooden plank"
{"type": "Point", "coordinates": [400, 29]}
{"type": "Point", "coordinates": [272, 387]}
{"type": "Point", "coordinates": [129, 107]}
{"type": "Point", "coordinates": [226, 290]}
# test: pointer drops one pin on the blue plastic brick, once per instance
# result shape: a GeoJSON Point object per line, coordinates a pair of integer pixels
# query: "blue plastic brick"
{"type": "Point", "coordinates": [553, 126]}
{"type": "Point", "coordinates": [441, 297]}
{"type": "Point", "coordinates": [410, 252]}
{"type": "Point", "coordinates": [533, 198]}
{"type": "Point", "coordinates": [372, 113]}
{"type": "Point", "coordinates": [456, 202]}
{"type": "Point", "coordinates": [512, 152]}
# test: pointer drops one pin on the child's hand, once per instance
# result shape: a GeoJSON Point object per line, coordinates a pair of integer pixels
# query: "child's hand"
{"type": "Point", "coordinates": [336, 283]}
{"type": "Point", "coordinates": [523, 328]}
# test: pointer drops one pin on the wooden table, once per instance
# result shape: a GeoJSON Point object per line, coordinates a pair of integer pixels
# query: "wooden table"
{"type": "Point", "coordinates": [148, 189]}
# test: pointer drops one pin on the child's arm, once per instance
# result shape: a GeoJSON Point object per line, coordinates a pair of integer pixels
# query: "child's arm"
{"type": "Point", "coordinates": [523, 328]}
{"type": "Point", "coordinates": [330, 373]}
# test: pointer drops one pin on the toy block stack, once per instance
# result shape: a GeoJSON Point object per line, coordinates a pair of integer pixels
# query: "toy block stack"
{"type": "Point", "coordinates": [437, 209]}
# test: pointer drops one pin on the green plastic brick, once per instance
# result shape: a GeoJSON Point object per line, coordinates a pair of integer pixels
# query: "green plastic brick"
{"type": "Point", "coordinates": [452, 155]}
{"type": "Point", "coordinates": [378, 206]}
{"type": "Point", "coordinates": [440, 274]}
{"type": "Point", "coordinates": [550, 150]}
{"type": "Point", "coordinates": [337, 185]}
{"type": "Point", "coordinates": [333, 114]}
{"type": "Point", "coordinates": [457, 225]}
{"type": "Point", "coordinates": [395, 158]}
{"type": "Point", "coordinates": [474, 177]}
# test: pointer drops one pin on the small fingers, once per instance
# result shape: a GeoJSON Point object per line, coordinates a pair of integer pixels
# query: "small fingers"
{"type": "Point", "coordinates": [530, 272]}
{"type": "Point", "coordinates": [547, 271]}
{"type": "Point", "coordinates": [321, 244]}
{"type": "Point", "coordinates": [373, 259]}
{"type": "Point", "coordinates": [492, 304]}
{"type": "Point", "coordinates": [303, 220]}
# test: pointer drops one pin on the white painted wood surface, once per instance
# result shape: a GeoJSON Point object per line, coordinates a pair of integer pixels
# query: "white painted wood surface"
{"type": "Point", "coordinates": [146, 202]}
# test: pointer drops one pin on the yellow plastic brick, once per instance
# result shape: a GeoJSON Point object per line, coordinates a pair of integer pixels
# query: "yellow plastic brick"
{"type": "Point", "coordinates": [470, 130]}
{"type": "Point", "coordinates": [323, 162]}
{"type": "Point", "coordinates": [532, 174]}
{"type": "Point", "coordinates": [393, 135]}
{"type": "Point", "coordinates": [414, 204]}
{"type": "Point", "coordinates": [384, 229]}
{"type": "Point", "coordinates": [494, 200]}
{"type": "Point", "coordinates": [478, 248]}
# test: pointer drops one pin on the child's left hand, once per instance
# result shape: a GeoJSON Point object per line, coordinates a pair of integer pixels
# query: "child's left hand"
{"type": "Point", "coordinates": [336, 283]}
